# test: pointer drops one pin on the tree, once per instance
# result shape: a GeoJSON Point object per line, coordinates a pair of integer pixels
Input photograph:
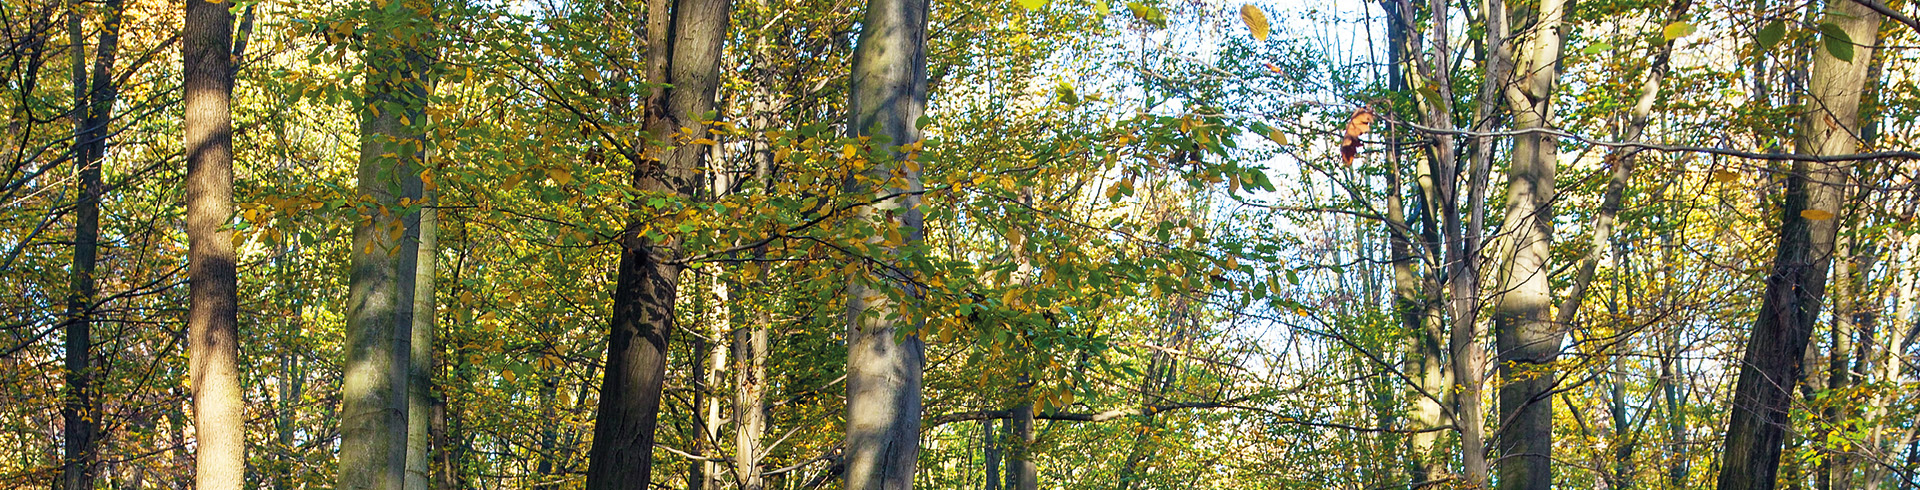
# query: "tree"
{"type": "Point", "coordinates": [687, 57]}
{"type": "Point", "coordinates": [386, 247]}
{"type": "Point", "coordinates": [1772, 366]}
{"type": "Point", "coordinates": [1527, 337]}
{"type": "Point", "coordinates": [887, 96]}
{"type": "Point", "coordinates": [92, 111]}
{"type": "Point", "coordinates": [212, 322]}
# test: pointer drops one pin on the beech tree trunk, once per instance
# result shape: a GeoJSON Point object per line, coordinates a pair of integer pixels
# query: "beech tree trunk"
{"type": "Point", "coordinates": [385, 254]}
{"type": "Point", "coordinates": [685, 54]}
{"type": "Point", "coordinates": [1772, 364]}
{"type": "Point", "coordinates": [420, 400]}
{"type": "Point", "coordinates": [212, 315]}
{"type": "Point", "coordinates": [1525, 333]}
{"type": "Point", "coordinates": [888, 95]}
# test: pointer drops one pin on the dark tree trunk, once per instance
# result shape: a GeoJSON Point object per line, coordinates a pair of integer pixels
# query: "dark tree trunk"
{"type": "Point", "coordinates": [1773, 362]}
{"type": "Point", "coordinates": [93, 108]}
{"type": "Point", "coordinates": [687, 56]}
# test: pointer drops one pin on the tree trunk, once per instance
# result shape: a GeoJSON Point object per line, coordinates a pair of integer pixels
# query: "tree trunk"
{"type": "Point", "coordinates": [1772, 364]}
{"type": "Point", "coordinates": [212, 316]}
{"type": "Point", "coordinates": [1524, 330]}
{"type": "Point", "coordinates": [420, 398]}
{"type": "Point", "coordinates": [93, 109]}
{"type": "Point", "coordinates": [1021, 472]}
{"type": "Point", "coordinates": [750, 401]}
{"type": "Point", "coordinates": [385, 254]}
{"type": "Point", "coordinates": [687, 56]}
{"type": "Point", "coordinates": [888, 95]}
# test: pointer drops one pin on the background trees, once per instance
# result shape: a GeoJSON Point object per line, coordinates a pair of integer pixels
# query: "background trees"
{"type": "Point", "coordinates": [1158, 245]}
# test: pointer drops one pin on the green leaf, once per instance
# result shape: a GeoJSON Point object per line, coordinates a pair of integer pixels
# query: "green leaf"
{"type": "Point", "coordinates": [1148, 13]}
{"type": "Point", "coordinates": [1256, 21]}
{"type": "Point", "coordinates": [1838, 43]}
{"type": "Point", "coordinates": [1770, 35]}
{"type": "Point", "coordinates": [1597, 48]}
{"type": "Point", "coordinates": [1032, 4]}
{"type": "Point", "coordinates": [1067, 96]}
{"type": "Point", "coordinates": [1677, 30]}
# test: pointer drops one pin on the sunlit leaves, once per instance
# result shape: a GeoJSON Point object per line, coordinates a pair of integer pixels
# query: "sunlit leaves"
{"type": "Point", "coordinates": [1256, 21]}
{"type": "Point", "coordinates": [1677, 30]}
{"type": "Point", "coordinates": [1836, 41]}
{"type": "Point", "coordinates": [1148, 13]}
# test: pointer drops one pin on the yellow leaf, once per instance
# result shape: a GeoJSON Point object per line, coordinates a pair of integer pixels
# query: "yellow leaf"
{"type": "Point", "coordinates": [1256, 20]}
{"type": "Point", "coordinates": [1677, 30]}
{"type": "Point", "coordinates": [705, 141]}
{"type": "Point", "coordinates": [1816, 214]}
{"type": "Point", "coordinates": [848, 151]}
{"type": "Point", "coordinates": [1278, 137]}
{"type": "Point", "coordinates": [560, 176]}
{"type": "Point", "coordinates": [507, 375]}
{"type": "Point", "coordinates": [1725, 176]}
{"type": "Point", "coordinates": [1032, 4]}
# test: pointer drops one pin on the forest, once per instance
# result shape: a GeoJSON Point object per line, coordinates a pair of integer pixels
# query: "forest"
{"type": "Point", "coordinates": [896, 244]}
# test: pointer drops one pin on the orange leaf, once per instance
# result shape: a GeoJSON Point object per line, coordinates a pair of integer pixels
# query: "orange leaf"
{"type": "Point", "coordinates": [1357, 125]}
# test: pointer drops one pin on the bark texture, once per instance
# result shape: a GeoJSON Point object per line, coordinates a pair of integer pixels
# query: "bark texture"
{"type": "Point", "coordinates": [1773, 362]}
{"type": "Point", "coordinates": [1525, 333]}
{"type": "Point", "coordinates": [385, 254]}
{"type": "Point", "coordinates": [888, 96]}
{"type": "Point", "coordinates": [212, 318]}
{"type": "Point", "coordinates": [93, 109]}
{"type": "Point", "coordinates": [420, 400]}
{"type": "Point", "coordinates": [684, 51]}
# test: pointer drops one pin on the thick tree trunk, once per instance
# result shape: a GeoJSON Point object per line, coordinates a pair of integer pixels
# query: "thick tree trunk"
{"type": "Point", "coordinates": [687, 56]}
{"type": "Point", "coordinates": [212, 315]}
{"type": "Point", "coordinates": [1524, 330]}
{"type": "Point", "coordinates": [1772, 364]}
{"type": "Point", "coordinates": [374, 398]}
{"type": "Point", "coordinates": [888, 95]}
{"type": "Point", "coordinates": [93, 109]}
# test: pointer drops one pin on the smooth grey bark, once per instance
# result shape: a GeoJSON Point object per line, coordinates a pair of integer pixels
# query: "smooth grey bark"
{"type": "Point", "coordinates": [1414, 302]}
{"type": "Point", "coordinates": [385, 254]}
{"type": "Point", "coordinates": [683, 51]}
{"type": "Point", "coordinates": [1773, 362]}
{"type": "Point", "coordinates": [887, 97]}
{"type": "Point", "coordinates": [1458, 241]}
{"type": "Point", "coordinates": [750, 401]}
{"type": "Point", "coordinates": [212, 313]}
{"type": "Point", "coordinates": [93, 110]}
{"type": "Point", "coordinates": [1527, 338]}
{"type": "Point", "coordinates": [420, 398]}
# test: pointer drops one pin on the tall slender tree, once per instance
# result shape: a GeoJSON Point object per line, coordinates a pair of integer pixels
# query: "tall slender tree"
{"type": "Point", "coordinates": [1773, 362]}
{"type": "Point", "coordinates": [219, 423]}
{"type": "Point", "coordinates": [887, 97]}
{"type": "Point", "coordinates": [92, 111]}
{"type": "Point", "coordinates": [686, 56]}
